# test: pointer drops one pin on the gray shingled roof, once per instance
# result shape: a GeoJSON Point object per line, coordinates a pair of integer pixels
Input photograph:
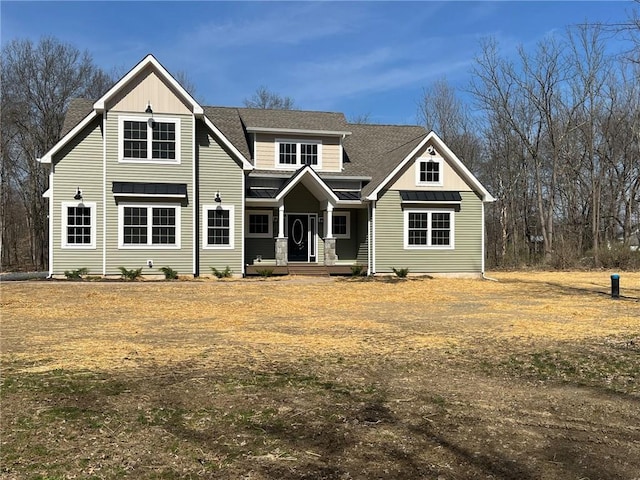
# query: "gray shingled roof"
{"type": "Point", "coordinates": [370, 151]}
{"type": "Point", "coordinates": [229, 123]}
{"type": "Point", "coordinates": [78, 109]}
{"type": "Point", "coordinates": [293, 119]}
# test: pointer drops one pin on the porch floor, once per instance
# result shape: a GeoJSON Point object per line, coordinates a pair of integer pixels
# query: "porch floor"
{"type": "Point", "coordinates": [305, 269]}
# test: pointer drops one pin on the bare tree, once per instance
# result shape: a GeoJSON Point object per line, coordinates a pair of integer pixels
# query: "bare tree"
{"type": "Point", "coordinates": [38, 81]}
{"type": "Point", "coordinates": [264, 98]}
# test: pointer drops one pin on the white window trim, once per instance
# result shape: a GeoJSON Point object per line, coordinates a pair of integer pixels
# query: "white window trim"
{"type": "Point", "coordinates": [64, 220]}
{"type": "Point", "coordinates": [122, 159]}
{"type": "Point", "coordinates": [148, 245]}
{"type": "Point", "coordinates": [205, 226]}
{"type": "Point", "coordinates": [452, 228]}
{"type": "Point", "coordinates": [338, 213]}
{"type": "Point", "coordinates": [298, 142]}
{"type": "Point", "coordinates": [269, 234]}
{"type": "Point", "coordinates": [439, 161]}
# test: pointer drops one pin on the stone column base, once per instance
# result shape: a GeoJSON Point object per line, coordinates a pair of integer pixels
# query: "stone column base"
{"type": "Point", "coordinates": [282, 257]}
{"type": "Point", "coordinates": [330, 256]}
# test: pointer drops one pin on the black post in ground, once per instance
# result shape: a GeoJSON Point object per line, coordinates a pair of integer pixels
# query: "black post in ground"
{"type": "Point", "coordinates": [615, 286]}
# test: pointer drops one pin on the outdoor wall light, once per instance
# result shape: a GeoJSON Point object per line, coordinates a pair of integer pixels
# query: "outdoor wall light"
{"type": "Point", "coordinates": [78, 195]}
{"type": "Point", "coordinates": [218, 199]}
{"type": "Point", "coordinates": [149, 109]}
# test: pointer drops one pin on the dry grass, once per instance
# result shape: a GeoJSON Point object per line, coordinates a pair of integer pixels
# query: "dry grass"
{"type": "Point", "coordinates": [533, 376]}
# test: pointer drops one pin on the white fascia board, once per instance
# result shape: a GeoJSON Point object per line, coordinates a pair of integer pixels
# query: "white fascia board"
{"type": "Point", "coordinates": [309, 171]}
{"type": "Point", "coordinates": [148, 60]}
{"type": "Point", "coordinates": [47, 157]}
{"type": "Point", "coordinates": [466, 174]}
{"type": "Point", "coordinates": [47, 193]}
{"type": "Point", "coordinates": [374, 195]}
{"type": "Point", "coordinates": [246, 164]}
{"type": "Point", "coordinates": [470, 177]}
{"type": "Point", "coordinates": [296, 131]}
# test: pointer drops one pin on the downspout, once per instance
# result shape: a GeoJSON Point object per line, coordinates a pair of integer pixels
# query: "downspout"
{"type": "Point", "coordinates": [104, 193]}
{"type": "Point", "coordinates": [373, 235]}
{"type": "Point", "coordinates": [369, 239]}
{"type": "Point", "coordinates": [51, 220]}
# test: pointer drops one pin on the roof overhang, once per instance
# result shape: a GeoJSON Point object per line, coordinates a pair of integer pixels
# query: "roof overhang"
{"type": "Point", "coordinates": [312, 181]}
{"type": "Point", "coordinates": [246, 164]}
{"type": "Point", "coordinates": [100, 104]}
{"type": "Point", "coordinates": [294, 131]}
{"type": "Point", "coordinates": [457, 164]}
{"type": "Point", "coordinates": [47, 157]}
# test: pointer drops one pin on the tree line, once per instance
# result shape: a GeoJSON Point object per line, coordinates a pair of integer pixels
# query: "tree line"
{"type": "Point", "coordinates": [553, 133]}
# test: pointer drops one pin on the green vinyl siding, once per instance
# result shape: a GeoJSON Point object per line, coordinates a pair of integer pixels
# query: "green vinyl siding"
{"type": "Point", "coordinates": [180, 259]}
{"type": "Point", "coordinates": [219, 173]}
{"type": "Point", "coordinates": [78, 165]}
{"type": "Point", "coordinates": [266, 247]}
{"type": "Point", "coordinates": [354, 248]}
{"type": "Point", "coordinates": [466, 257]}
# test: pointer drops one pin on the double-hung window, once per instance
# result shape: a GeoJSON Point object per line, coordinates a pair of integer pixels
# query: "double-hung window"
{"type": "Point", "coordinates": [149, 140]}
{"type": "Point", "coordinates": [156, 226]}
{"type": "Point", "coordinates": [217, 226]}
{"type": "Point", "coordinates": [429, 171]}
{"type": "Point", "coordinates": [297, 153]}
{"type": "Point", "coordinates": [429, 229]}
{"type": "Point", "coordinates": [79, 225]}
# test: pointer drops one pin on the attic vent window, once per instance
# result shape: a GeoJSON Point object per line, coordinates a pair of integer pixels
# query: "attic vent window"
{"type": "Point", "coordinates": [429, 171]}
{"type": "Point", "coordinates": [143, 141]}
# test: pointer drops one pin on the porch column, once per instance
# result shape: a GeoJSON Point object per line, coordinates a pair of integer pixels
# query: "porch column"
{"type": "Point", "coordinates": [281, 221]}
{"type": "Point", "coordinates": [329, 223]}
{"type": "Point", "coordinates": [330, 256]}
{"type": "Point", "coordinates": [281, 242]}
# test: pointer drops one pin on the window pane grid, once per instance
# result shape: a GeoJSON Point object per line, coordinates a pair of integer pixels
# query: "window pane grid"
{"type": "Point", "coordinates": [429, 228]}
{"type": "Point", "coordinates": [339, 224]}
{"type": "Point", "coordinates": [78, 225]}
{"type": "Point", "coordinates": [288, 153]}
{"type": "Point", "coordinates": [135, 139]}
{"type": "Point", "coordinates": [258, 223]}
{"type": "Point", "coordinates": [164, 141]}
{"type": "Point", "coordinates": [135, 225]}
{"type": "Point", "coordinates": [218, 227]}
{"type": "Point", "coordinates": [429, 171]}
{"type": "Point", "coordinates": [309, 153]}
{"type": "Point", "coordinates": [164, 226]}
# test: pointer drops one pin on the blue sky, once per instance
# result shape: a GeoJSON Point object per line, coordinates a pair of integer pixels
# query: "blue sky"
{"type": "Point", "coordinates": [355, 57]}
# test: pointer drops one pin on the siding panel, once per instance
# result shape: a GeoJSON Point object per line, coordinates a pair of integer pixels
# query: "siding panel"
{"type": "Point", "coordinates": [78, 164]}
{"type": "Point", "coordinates": [466, 257]}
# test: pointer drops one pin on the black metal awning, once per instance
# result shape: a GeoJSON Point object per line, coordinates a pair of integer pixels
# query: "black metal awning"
{"type": "Point", "coordinates": [443, 196]}
{"type": "Point", "coordinates": [138, 189]}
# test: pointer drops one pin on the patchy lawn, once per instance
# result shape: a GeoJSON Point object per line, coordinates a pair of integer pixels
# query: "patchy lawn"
{"type": "Point", "coordinates": [536, 376]}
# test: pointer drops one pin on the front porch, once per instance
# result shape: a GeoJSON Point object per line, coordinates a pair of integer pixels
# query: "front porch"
{"type": "Point", "coordinates": [303, 269]}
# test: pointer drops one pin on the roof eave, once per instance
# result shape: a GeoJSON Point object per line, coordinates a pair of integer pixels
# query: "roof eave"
{"type": "Point", "coordinates": [299, 131]}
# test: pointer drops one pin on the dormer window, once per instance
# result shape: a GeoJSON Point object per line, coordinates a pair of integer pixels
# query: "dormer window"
{"type": "Point", "coordinates": [149, 140]}
{"type": "Point", "coordinates": [429, 171]}
{"type": "Point", "coordinates": [297, 153]}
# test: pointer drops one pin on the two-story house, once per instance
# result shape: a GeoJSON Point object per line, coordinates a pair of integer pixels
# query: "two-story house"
{"type": "Point", "coordinates": [147, 177]}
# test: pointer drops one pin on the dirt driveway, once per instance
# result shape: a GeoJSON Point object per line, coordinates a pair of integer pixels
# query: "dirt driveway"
{"type": "Point", "coordinates": [536, 375]}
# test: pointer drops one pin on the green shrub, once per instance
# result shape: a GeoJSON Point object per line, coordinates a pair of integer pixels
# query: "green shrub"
{"type": "Point", "coordinates": [76, 274]}
{"type": "Point", "coordinates": [265, 272]}
{"type": "Point", "coordinates": [132, 274]}
{"type": "Point", "coordinates": [226, 273]}
{"type": "Point", "coordinates": [357, 270]}
{"type": "Point", "coordinates": [401, 272]}
{"type": "Point", "coordinates": [169, 273]}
